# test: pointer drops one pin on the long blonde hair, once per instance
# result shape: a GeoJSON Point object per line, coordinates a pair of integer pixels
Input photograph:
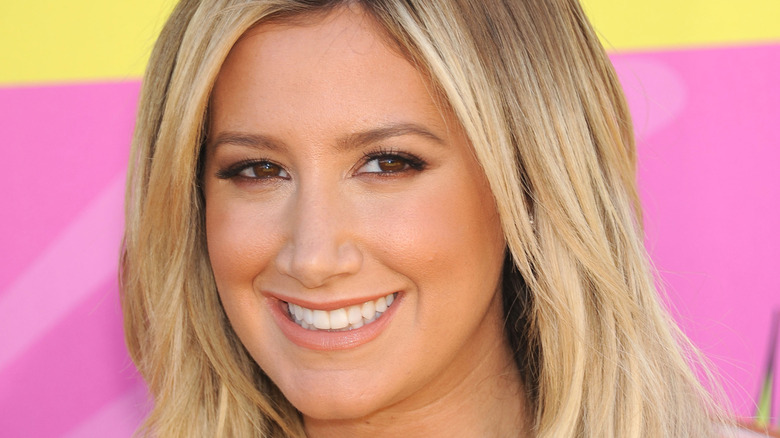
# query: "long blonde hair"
{"type": "Point", "coordinates": [545, 114]}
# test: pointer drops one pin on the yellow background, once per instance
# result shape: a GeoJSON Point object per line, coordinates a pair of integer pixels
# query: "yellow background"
{"type": "Point", "coordinates": [55, 41]}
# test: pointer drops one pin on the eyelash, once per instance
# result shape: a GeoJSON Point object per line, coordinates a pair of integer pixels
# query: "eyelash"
{"type": "Point", "coordinates": [411, 163]}
{"type": "Point", "coordinates": [234, 170]}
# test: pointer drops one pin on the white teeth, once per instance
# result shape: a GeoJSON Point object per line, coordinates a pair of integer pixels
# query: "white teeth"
{"type": "Point", "coordinates": [321, 320]}
{"type": "Point", "coordinates": [298, 311]}
{"type": "Point", "coordinates": [354, 315]}
{"type": "Point", "coordinates": [308, 316]}
{"type": "Point", "coordinates": [338, 319]}
{"type": "Point", "coordinates": [368, 310]}
{"type": "Point", "coordinates": [381, 304]}
{"type": "Point", "coordinates": [346, 318]}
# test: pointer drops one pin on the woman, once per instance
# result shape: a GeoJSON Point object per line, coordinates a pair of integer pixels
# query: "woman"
{"type": "Point", "coordinates": [388, 218]}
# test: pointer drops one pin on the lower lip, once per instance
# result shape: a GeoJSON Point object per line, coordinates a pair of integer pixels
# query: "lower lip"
{"type": "Point", "coordinates": [326, 340]}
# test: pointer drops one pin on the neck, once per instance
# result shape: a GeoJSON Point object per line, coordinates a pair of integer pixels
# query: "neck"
{"type": "Point", "coordinates": [488, 401]}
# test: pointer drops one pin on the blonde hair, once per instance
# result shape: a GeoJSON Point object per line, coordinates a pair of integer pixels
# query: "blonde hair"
{"type": "Point", "coordinates": [542, 107]}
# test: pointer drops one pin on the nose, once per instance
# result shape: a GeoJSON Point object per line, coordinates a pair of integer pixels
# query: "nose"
{"type": "Point", "coordinates": [320, 245]}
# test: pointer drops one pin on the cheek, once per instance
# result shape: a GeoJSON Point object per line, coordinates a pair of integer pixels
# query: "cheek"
{"type": "Point", "coordinates": [446, 235]}
{"type": "Point", "coordinates": [240, 240]}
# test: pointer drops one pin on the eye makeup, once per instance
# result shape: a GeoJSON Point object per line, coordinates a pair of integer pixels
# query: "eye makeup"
{"type": "Point", "coordinates": [387, 162]}
{"type": "Point", "coordinates": [261, 168]}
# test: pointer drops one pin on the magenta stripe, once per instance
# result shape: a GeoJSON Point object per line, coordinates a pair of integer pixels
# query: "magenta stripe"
{"type": "Point", "coordinates": [61, 146]}
{"type": "Point", "coordinates": [709, 153]}
{"type": "Point", "coordinates": [119, 418]}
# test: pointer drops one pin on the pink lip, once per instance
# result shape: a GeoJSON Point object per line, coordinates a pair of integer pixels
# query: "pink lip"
{"type": "Point", "coordinates": [330, 305]}
{"type": "Point", "coordinates": [326, 340]}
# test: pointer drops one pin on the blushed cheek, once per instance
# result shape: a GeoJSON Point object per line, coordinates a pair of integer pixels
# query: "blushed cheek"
{"type": "Point", "coordinates": [406, 234]}
{"type": "Point", "coordinates": [235, 261]}
{"type": "Point", "coordinates": [450, 230]}
{"type": "Point", "coordinates": [238, 245]}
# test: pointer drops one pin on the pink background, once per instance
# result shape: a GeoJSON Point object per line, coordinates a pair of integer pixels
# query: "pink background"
{"type": "Point", "coordinates": [709, 147]}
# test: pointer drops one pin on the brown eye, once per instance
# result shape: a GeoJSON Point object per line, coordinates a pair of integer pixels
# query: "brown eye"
{"type": "Point", "coordinates": [264, 169]}
{"type": "Point", "coordinates": [391, 164]}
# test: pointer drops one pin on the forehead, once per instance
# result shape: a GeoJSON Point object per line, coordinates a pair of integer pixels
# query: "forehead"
{"type": "Point", "coordinates": [335, 66]}
{"type": "Point", "coordinates": [346, 34]}
{"type": "Point", "coordinates": [351, 24]}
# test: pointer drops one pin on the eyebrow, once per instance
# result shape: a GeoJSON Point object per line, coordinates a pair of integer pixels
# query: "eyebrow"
{"type": "Point", "coordinates": [345, 143]}
{"type": "Point", "coordinates": [256, 141]}
{"type": "Point", "coordinates": [362, 138]}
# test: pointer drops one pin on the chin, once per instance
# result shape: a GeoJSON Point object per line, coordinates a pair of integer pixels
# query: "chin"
{"type": "Point", "coordinates": [335, 406]}
{"type": "Point", "coordinates": [333, 394]}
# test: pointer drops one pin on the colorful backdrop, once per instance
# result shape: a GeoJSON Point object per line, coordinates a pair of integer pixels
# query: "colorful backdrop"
{"type": "Point", "coordinates": [702, 82]}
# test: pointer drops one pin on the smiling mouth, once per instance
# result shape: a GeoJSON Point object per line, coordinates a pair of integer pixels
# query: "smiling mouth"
{"type": "Point", "coordinates": [343, 319]}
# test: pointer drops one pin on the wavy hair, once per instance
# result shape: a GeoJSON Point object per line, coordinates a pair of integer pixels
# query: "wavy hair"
{"type": "Point", "coordinates": [544, 112]}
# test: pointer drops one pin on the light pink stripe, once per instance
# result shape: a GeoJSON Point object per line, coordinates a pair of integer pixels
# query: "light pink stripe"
{"type": "Point", "coordinates": [655, 93]}
{"type": "Point", "coordinates": [71, 372]}
{"type": "Point", "coordinates": [120, 418]}
{"type": "Point", "coordinates": [73, 266]}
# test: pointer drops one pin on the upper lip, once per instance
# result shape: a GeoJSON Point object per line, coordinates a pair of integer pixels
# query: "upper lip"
{"type": "Point", "coordinates": [325, 305]}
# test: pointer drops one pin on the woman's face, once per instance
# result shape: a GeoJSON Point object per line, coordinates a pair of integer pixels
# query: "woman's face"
{"type": "Point", "coordinates": [355, 243]}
